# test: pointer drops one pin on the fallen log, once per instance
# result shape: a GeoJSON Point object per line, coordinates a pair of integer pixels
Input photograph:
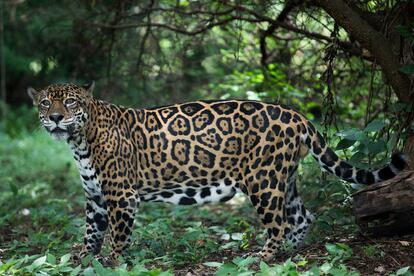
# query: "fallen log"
{"type": "Point", "coordinates": [386, 208]}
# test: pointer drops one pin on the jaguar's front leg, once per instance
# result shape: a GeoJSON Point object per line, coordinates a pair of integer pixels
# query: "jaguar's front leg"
{"type": "Point", "coordinates": [121, 211]}
{"type": "Point", "coordinates": [96, 225]}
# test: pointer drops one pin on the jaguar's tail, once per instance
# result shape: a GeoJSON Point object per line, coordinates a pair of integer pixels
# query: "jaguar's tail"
{"type": "Point", "coordinates": [328, 159]}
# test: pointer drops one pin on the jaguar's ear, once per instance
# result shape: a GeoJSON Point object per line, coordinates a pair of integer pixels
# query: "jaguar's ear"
{"type": "Point", "coordinates": [33, 94]}
{"type": "Point", "coordinates": [89, 87]}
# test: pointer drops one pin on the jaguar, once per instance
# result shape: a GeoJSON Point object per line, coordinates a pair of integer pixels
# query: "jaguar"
{"type": "Point", "coordinates": [190, 153]}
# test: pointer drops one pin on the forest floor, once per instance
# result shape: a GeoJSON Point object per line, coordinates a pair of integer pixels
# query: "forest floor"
{"type": "Point", "coordinates": [381, 256]}
{"type": "Point", "coordinates": [342, 254]}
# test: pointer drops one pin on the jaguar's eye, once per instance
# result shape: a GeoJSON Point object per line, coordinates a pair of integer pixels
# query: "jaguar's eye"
{"type": "Point", "coordinates": [70, 101]}
{"type": "Point", "coordinates": [45, 103]}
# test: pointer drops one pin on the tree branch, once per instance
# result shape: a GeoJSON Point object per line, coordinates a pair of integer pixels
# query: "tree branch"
{"type": "Point", "coordinates": [179, 30]}
{"type": "Point", "coordinates": [250, 16]}
{"type": "Point", "coordinates": [182, 12]}
{"type": "Point", "coordinates": [144, 38]}
{"type": "Point", "coordinates": [373, 41]}
{"type": "Point", "coordinates": [289, 6]}
{"type": "Point", "coordinates": [347, 46]}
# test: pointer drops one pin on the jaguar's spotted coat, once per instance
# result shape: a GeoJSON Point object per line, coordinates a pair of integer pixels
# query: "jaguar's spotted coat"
{"type": "Point", "coordinates": [191, 153]}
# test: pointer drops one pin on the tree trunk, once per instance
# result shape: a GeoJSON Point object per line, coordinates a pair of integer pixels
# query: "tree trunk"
{"type": "Point", "coordinates": [386, 208]}
{"type": "Point", "coordinates": [377, 33]}
{"type": "Point", "coordinates": [381, 47]}
{"type": "Point", "coordinates": [409, 147]}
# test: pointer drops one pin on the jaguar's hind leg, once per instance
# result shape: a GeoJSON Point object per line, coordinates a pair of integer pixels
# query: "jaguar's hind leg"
{"type": "Point", "coordinates": [267, 197]}
{"type": "Point", "coordinates": [298, 216]}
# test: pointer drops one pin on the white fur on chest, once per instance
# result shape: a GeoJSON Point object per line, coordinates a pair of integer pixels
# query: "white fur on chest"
{"type": "Point", "coordinates": [89, 177]}
{"type": "Point", "coordinates": [91, 185]}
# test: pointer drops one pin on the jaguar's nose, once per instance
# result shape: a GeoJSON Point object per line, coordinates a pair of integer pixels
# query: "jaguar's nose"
{"type": "Point", "coordinates": [56, 117]}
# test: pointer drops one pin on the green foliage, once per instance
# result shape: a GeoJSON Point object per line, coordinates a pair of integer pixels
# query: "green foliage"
{"type": "Point", "coordinates": [271, 85]}
{"type": "Point", "coordinates": [51, 265]}
{"type": "Point", "coordinates": [243, 266]}
{"type": "Point", "coordinates": [407, 69]}
{"type": "Point", "coordinates": [172, 230]}
{"type": "Point", "coordinates": [20, 121]}
{"type": "Point", "coordinates": [407, 32]}
{"type": "Point", "coordinates": [239, 266]}
{"type": "Point", "coordinates": [338, 253]}
{"type": "Point", "coordinates": [372, 250]}
{"type": "Point", "coordinates": [366, 144]}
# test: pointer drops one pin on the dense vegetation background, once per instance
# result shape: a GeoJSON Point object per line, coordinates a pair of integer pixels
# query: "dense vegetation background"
{"type": "Point", "coordinates": [347, 65]}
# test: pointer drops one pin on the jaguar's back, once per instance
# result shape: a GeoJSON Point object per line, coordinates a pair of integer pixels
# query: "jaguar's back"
{"type": "Point", "coordinates": [202, 151]}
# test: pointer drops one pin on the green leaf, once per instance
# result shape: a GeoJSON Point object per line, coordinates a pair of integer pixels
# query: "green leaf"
{"type": "Point", "coordinates": [377, 147]}
{"type": "Point", "coordinates": [86, 260]}
{"type": "Point", "coordinates": [349, 133]}
{"type": "Point", "coordinates": [404, 271]}
{"type": "Point", "coordinates": [244, 261]}
{"type": "Point", "coordinates": [338, 272]}
{"type": "Point", "coordinates": [361, 136]}
{"type": "Point", "coordinates": [213, 264]}
{"type": "Point", "coordinates": [89, 272]}
{"type": "Point", "coordinates": [314, 271]}
{"type": "Point", "coordinates": [392, 141]}
{"type": "Point", "coordinates": [264, 267]}
{"type": "Point", "coordinates": [375, 126]}
{"type": "Point", "coordinates": [302, 263]}
{"type": "Point", "coordinates": [357, 157]}
{"type": "Point", "coordinates": [227, 269]}
{"type": "Point", "coordinates": [39, 262]}
{"type": "Point", "coordinates": [406, 31]}
{"type": "Point", "coordinates": [184, 3]}
{"type": "Point", "coordinates": [99, 269]}
{"type": "Point", "coordinates": [332, 248]}
{"type": "Point", "coordinates": [66, 269]}
{"type": "Point", "coordinates": [65, 258]}
{"type": "Point", "coordinates": [51, 259]}
{"type": "Point", "coordinates": [398, 107]}
{"type": "Point", "coordinates": [343, 246]}
{"type": "Point", "coordinates": [344, 144]}
{"type": "Point", "coordinates": [362, 148]}
{"type": "Point", "coordinates": [325, 267]}
{"type": "Point", "coordinates": [14, 188]}
{"type": "Point", "coordinates": [407, 69]}
{"type": "Point", "coordinates": [359, 164]}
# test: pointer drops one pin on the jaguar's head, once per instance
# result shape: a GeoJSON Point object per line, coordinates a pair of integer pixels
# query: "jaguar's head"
{"type": "Point", "coordinates": [63, 108]}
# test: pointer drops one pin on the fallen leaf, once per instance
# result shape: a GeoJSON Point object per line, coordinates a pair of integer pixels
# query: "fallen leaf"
{"type": "Point", "coordinates": [25, 212]}
{"type": "Point", "coordinates": [379, 269]}
{"type": "Point", "coordinates": [404, 243]}
{"type": "Point", "coordinates": [225, 237]}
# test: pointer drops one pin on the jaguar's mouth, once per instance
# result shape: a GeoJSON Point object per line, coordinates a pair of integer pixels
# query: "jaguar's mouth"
{"type": "Point", "coordinates": [59, 133]}
{"type": "Point", "coordinates": [58, 130]}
